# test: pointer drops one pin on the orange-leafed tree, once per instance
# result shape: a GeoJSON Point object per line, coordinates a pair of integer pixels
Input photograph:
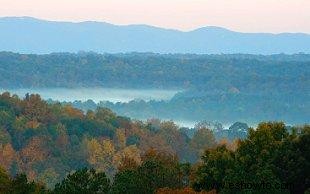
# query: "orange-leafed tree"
{"type": "Point", "coordinates": [7, 155]}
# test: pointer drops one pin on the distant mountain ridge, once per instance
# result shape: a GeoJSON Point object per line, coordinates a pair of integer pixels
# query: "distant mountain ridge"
{"type": "Point", "coordinates": [31, 35]}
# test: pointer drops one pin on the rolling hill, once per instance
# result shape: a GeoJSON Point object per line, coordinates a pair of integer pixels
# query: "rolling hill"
{"type": "Point", "coordinates": [30, 35]}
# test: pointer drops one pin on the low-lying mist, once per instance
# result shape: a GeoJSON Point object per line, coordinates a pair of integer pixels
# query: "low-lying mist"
{"type": "Point", "coordinates": [95, 94]}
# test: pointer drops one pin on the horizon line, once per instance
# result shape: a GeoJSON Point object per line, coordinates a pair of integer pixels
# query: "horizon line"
{"type": "Point", "coordinates": [147, 25]}
{"type": "Point", "coordinates": [149, 53]}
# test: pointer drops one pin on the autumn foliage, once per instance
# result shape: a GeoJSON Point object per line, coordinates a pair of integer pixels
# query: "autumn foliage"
{"type": "Point", "coordinates": [48, 141]}
{"type": "Point", "coordinates": [54, 148]}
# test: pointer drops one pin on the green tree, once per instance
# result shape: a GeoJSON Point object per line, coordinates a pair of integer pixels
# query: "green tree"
{"type": "Point", "coordinates": [292, 161]}
{"type": "Point", "coordinates": [217, 163]}
{"type": "Point", "coordinates": [5, 181]}
{"type": "Point", "coordinates": [129, 182]}
{"type": "Point", "coordinates": [254, 159]}
{"type": "Point", "coordinates": [84, 181]}
{"type": "Point", "coordinates": [21, 185]}
{"type": "Point", "coordinates": [158, 170]}
{"type": "Point", "coordinates": [267, 158]}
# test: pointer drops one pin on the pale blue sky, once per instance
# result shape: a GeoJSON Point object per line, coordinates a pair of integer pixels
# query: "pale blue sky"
{"type": "Point", "coordinates": [239, 15]}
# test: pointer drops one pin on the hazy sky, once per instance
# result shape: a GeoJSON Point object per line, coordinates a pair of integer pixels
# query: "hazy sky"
{"type": "Point", "coordinates": [239, 15]}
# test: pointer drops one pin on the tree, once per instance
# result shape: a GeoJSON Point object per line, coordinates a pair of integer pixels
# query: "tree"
{"type": "Point", "coordinates": [202, 139]}
{"type": "Point", "coordinates": [176, 140]}
{"type": "Point", "coordinates": [5, 182]}
{"type": "Point", "coordinates": [120, 139]}
{"type": "Point", "coordinates": [217, 163]}
{"type": "Point", "coordinates": [158, 170]}
{"type": "Point", "coordinates": [213, 126]}
{"type": "Point", "coordinates": [100, 154]}
{"type": "Point", "coordinates": [254, 159]}
{"type": "Point", "coordinates": [35, 109]}
{"type": "Point", "coordinates": [129, 158]}
{"type": "Point", "coordinates": [161, 170]}
{"type": "Point", "coordinates": [72, 112]}
{"type": "Point", "coordinates": [292, 161]}
{"type": "Point", "coordinates": [84, 181]}
{"type": "Point", "coordinates": [50, 177]}
{"type": "Point", "coordinates": [36, 151]}
{"type": "Point", "coordinates": [127, 164]}
{"type": "Point", "coordinates": [21, 185]}
{"type": "Point", "coordinates": [5, 137]}
{"type": "Point", "coordinates": [7, 155]}
{"type": "Point", "coordinates": [130, 182]}
{"type": "Point", "coordinates": [269, 157]}
{"type": "Point", "coordinates": [105, 115]}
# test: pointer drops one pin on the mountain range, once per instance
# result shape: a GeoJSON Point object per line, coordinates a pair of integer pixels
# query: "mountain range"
{"type": "Point", "coordinates": [31, 35]}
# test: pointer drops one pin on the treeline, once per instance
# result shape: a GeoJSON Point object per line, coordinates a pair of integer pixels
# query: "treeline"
{"type": "Point", "coordinates": [223, 107]}
{"type": "Point", "coordinates": [157, 172]}
{"type": "Point", "coordinates": [226, 88]}
{"type": "Point", "coordinates": [136, 110]}
{"type": "Point", "coordinates": [269, 160]}
{"type": "Point", "coordinates": [245, 73]}
{"type": "Point", "coordinates": [47, 141]}
{"type": "Point", "coordinates": [54, 148]}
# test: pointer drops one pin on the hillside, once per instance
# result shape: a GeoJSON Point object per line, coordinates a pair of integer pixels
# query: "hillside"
{"type": "Point", "coordinates": [38, 138]}
{"type": "Point", "coordinates": [243, 73]}
{"type": "Point", "coordinates": [224, 88]}
{"type": "Point", "coordinates": [100, 152]}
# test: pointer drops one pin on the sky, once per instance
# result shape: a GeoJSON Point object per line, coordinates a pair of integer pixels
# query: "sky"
{"type": "Point", "coordinates": [273, 16]}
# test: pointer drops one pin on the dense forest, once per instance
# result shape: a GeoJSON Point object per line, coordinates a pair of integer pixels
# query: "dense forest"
{"type": "Point", "coordinates": [55, 148]}
{"type": "Point", "coordinates": [245, 73]}
{"type": "Point", "coordinates": [225, 88]}
{"type": "Point", "coordinates": [224, 108]}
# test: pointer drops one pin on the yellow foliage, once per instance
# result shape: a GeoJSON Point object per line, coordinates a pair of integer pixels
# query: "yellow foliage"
{"type": "Point", "coordinates": [132, 152]}
{"type": "Point", "coordinates": [100, 154]}
{"type": "Point", "coordinates": [108, 147]}
{"type": "Point", "coordinates": [94, 151]}
{"type": "Point", "coordinates": [33, 124]}
{"type": "Point", "coordinates": [120, 138]}
{"type": "Point", "coordinates": [129, 156]}
{"type": "Point", "coordinates": [73, 112]}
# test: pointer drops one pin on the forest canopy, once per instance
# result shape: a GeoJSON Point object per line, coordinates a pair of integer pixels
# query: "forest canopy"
{"type": "Point", "coordinates": [226, 88]}
{"type": "Point", "coordinates": [54, 148]}
{"type": "Point", "coordinates": [146, 70]}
